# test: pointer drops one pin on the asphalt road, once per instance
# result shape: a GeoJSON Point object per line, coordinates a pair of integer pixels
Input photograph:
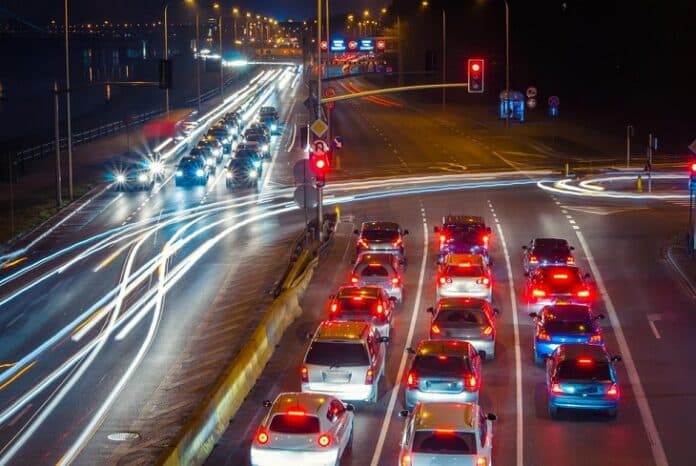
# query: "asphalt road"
{"type": "Point", "coordinates": [622, 244]}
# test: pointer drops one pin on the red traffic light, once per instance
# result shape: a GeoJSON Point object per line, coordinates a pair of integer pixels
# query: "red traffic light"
{"type": "Point", "coordinates": [475, 72]}
{"type": "Point", "coordinates": [475, 67]}
{"type": "Point", "coordinates": [692, 167]}
{"type": "Point", "coordinates": [320, 163]}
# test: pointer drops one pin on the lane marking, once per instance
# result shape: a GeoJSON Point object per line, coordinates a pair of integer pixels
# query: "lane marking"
{"type": "Point", "coordinates": [643, 407]}
{"type": "Point", "coordinates": [654, 329]}
{"type": "Point", "coordinates": [404, 357]}
{"type": "Point", "coordinates": [518, 351]}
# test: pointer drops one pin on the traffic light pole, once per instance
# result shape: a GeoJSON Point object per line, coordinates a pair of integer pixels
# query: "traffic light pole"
{"type": "Point", "coordinates": [320, 189]}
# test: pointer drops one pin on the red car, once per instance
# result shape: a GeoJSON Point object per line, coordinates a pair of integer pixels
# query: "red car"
{"type": "Point", "coordinates": [558, 285]}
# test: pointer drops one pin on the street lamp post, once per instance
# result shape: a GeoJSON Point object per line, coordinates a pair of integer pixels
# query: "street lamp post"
{"type": "Point", "coordinates": [320, 190]}
{"type": "Point", "coordinates": [235, 14]}
{"type": "Point", "coordinates": [67, 102]}
{"type": "Point", "coordinates": [166, 53]}
{"type": "Point", "coordinates": [507, 63]}
{"type": "Point", "coordinates": [222, 77]}
{"type": "Point", "coordinates": [444, 57]}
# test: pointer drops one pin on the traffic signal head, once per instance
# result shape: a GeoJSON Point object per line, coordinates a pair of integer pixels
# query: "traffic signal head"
{"type": "Point", "coordinates": [319, 163]}
{"type": "Point", "coordinates": [475, 73]}
{"type": "Point", "coordinates": [692, 170]}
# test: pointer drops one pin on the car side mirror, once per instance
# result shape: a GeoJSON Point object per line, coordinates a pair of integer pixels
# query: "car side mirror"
{"type": "Point", "coordinates": [616, 358]}
{"type": "Point", "coordinates": [309, 335]}
{"type": "Point", "coordinates": [405, 232]}
{"type": "Point", "coordinates": [384, 339]}
{"type": "Point", "coordinates": [599, 317]}
{"type": "Point", "coordinates": [430, 310]}
{"type": "Point", "coordinates": [350, 407]}
{"type": "Point", "coordinates": [267, 403]}
{"type": "Point", "coordinates": [403, 413]}
{"type": "Point", "coordinates": [496, 311]}
{"type": "Point", "coordinates": [356, 232]}
{"type": "Point", "coordinates": [436, 229]}
{"type": "Point", "coordinates": [491, 417]}
{"type": "Point", "coordinates": [410, 350]}
{"type": "Point", "coordinates": [533, 315]}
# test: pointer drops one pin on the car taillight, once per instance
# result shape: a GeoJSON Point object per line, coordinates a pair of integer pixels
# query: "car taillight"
{"type": "Point", "coordinates": [397, 243]}
{"type": "Point", "coordinates": [613, 390]}
{"type": "Point", "coordinates": [334, 307]}
{"type": "Point", "coordinates": [570, 260]}
{"type": "Point", "coordinates": [435, 329]}
{"type": "Point", "coordinates": [556, 388]}
{"type": "Point", "coordinates": [363, 243]}
{"type": "Point", "coordinates": [487, 331]}
{"type": "Point", "coordinates": [324, 440]}
{"type": "Point", "coordinates": [443, 238]}
{"type": "Point", "coordinates": [395, 281]}
{"type": "Point", "coordinates": [444, 280]}
{"type": "Point", "coordinates": [262, 437]}
{"type": "Point", "coordinates": [596, 338]}
{"type": "Point", "coordinates": [304, 374]}
{"type": "Point", "coordinates": [583, 294]}
{"type": "Point", "coordinates": [485, 240]}
{"type": "Point", "coordinates": [543, 336]}
{"type": "Point", "coordinates": [412, 379]}
{"type": "Point", "coordinates": [533, 260]}
{"type": "Point", "coordinates": [471, 383]}
{"type": "Point", "coordinates": [406, 460]}
{"type": "Point", "coordinates": [537, 293]}
{"type": "Point", "coordinates": [481, 461]}
{"type": "Point", "coordinates": [370, 376]}
{"type": "Point", "coordinates": [484, 281]}
{"type": "Point", "coordinates": [380, 309]}
{"type": "Point", "coordinates": [354, 279]}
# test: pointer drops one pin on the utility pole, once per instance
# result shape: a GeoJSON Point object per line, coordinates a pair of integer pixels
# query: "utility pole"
{"type": "Point", "coordinates": [320, 189]}
{"type": "Point", "coordinates": [444, 57]}
{"type": "Point", "coordinates": [222, 76]}
{"type": "Point", "coordinates": [166, 54]}
{"type": "Point", "coordinates": [67, 103]}
{"type": "Point", "coordinates": [198, 62]}
{"type": "Point", "coordinates": [507, 62]}
{"type": "Point", "coordinates": [56, 122]}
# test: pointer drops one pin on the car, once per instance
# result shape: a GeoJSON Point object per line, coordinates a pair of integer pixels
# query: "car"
{"type": "Point", "coordinates": [269, 117]}
{"type": "Point", "coordinates": [205, 153]}
{"type": "Point", "coordinates": [447, 433]}
{"type": "Point", "coordinates": [243, 170]}
{"type": "Point", "coordinates": [580, 376]}
{"type": "Point", "coordinates": [268, 112]}
{"type": "Point", "coordinates": [443, 370]}
{"type": "Point", "coordinates": [379, 269]}
{"type": "Point", "coordinates": [261, 140]}
{"type": "Point", "coordinates": [564, 323]}
{"type": "Point", "coordinates": [215, 146]}
{"type": "Point", "coordinates": [220, 134]}
{"type": "Point", "coordinates": [464, 275]}
{"type": "Point", "coordinates": [345, 359]}
{"type": "Point", "coordinates": [546, 251]}
{"type": "Point", "coordinates": [558, 285]}
{"type": "Point", "coordinates": [133, 175]}
{"type": "Point", "coordinates": [260, 127]}
{"type": "Point", "coordinates": [191, 170]}
{"type": "Point", "coordinates": [363, 303]}
{"type": "Point", "coordinates": [469, 319]}
{"type": "Point", "coordinates": [381, 237]}
{"type": "Point", "coordinates": [463, 234]}
{"type": "Point", "coordinates": [303, 429]}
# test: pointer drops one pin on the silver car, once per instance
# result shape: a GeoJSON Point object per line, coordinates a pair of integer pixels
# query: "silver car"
{"type": "Point", "coordinates": [365, 303]}
{"type": "Point", "coordinates": [468, 319]}
{"type": "Point", "coordinates": [346, 360]}
{"type": "Point", "coordinates": [377, 269]}
{"type": "Point", "coordinates": [381, 237]}
{"type": "Point", "coordinates": [303, 429]}
{"type": "Point", "coordinates": [443, 370]}
{"type": "Point", "coordinates": [439, 434]}
{"type": "Point", "coordinates": [464, 275]}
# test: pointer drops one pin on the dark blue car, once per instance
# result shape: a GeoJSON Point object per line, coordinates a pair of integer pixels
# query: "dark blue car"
{"type": "Point", "coordinates": [582, 377]}
{"type": "Point", "coordinates": [564, 323]}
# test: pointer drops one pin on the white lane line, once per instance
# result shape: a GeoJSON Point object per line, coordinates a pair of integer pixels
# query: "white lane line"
{"type": "Point", "coordinates": [518, 351]}
{"type": "Point", "coordinates": [12, 322]}
{"type": "Point", "coordinates": [653, 327]}
{"type": "Point", "coordinates": [404, 357]}
{"type": "Point", "coordinates": [641, 400]}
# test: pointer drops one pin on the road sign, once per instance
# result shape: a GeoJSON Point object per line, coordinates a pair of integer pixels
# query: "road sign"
{"type": "Point", "coordinates": [338, 142]}
{"type": "Point", "coordinates": [320, 146]}
{"type": "Point", "coordinates": [306, 196]}
{"type": "Point", "coordinates": [554, 101]}
{"type": "Point", "coordinates": [329, 92]}
{"type": "Point", "coordinates": [324, 45]}
{"type": "Point", "coordinates": [692, 147]}
{"type": "Point", "coordinates": [330, 105]}
{"type": "Point", "coordinates": [531, 102]}
{"type": "Point", "coordinates": [303, 172]}
{"type": "Point", "coordinates": [381, 45]}
{"type": "Point", "coordinates": [319, 127]}
{"type": "Point", "coordinates": [531, 92]}
{"type": "Point", "coordinates": [353, 44]}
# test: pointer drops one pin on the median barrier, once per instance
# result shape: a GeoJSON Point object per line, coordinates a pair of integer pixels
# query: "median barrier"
{"type": "Point", "coordinates": [208, 422]}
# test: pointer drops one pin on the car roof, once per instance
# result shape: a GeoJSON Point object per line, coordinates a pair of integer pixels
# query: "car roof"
{"type": "Point", "coordinates": [568, 312]}
{"type": "Point", "coordinates": [189, 159]}
{"type": "Point", "coordinates": [549, 243]}
{"type": "Point", "coordinates": [446, 415]}
{"type": "Point", "coordinates": [577, 350]}
{"type": "Point", "coordinates": [311, 403]}
{"type": "Point", "coordinates": [380, 226]}
{"type": "Point", "coordinates": [341, 330]}
{"type": "Point", "coordinates": [443, 347]}
{"type": "Point", "coordinates": [454, 219]}
{"type": "Point", "coordinates": [461, 303]}
{"type": "Point", "coordinates": [455, 259]}
{"type": "Point", "coordinates": [363, 291]}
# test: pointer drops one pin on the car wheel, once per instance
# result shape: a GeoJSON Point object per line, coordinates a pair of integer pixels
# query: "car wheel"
{"type": "Point", "coordinates": [612, 413]}
{"type": "Point", "coordinates": [553, 412]}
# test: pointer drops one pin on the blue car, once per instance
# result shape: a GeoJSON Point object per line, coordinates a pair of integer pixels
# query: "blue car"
{"type": "Point", "coordinates": [564, 323]}
{"type": "Point", "coordinates": [582, 377]}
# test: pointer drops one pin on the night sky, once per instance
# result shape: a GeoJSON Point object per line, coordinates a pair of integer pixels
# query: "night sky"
{"type": "Point", "coordinates": [41, 11]}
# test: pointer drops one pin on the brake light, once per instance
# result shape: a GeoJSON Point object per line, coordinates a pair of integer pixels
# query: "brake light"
{"type": "Point", "coordinates": [570, 260]}
{"type": "Point", "coordinates": [380, 309]}
{"type": "Point", "coordinates": [613, 390]}
{"type": "Point", "coordinates": [465, 264]}
{"type": "Point", "coordinates": [363, 243]}
{"type": "Point", "coordinates": [354, 279]}
{"type": "Point", "coordinates": [556, 388]}
{"type": "Point", "coordinates": [537, 293]}
{"type": "Point", "coordinates": [412, 379]}
{"type": "Point", "coordinates": [471, 383]}
{"type": "Point", "coordinates": [560, 276]}
{"type": "Point", "coordinates": [443, 238]}
{"type": "Point", "coordinates": [395, 281]}
{"type": "Point", "coordinates": [262, 437]}
{"type": "Point", "coordinates": [324, 440]}
{"type": "Point", "coordinates": [334, 307]}
{"type": "Point", "coordinates": [406, 460]}
{"type": "Point", "coordinates": [296, 413]}
{"type": "Point", "coordinates": [444, 431]}
{"type": "Point", "coordinates": [485, 240]}
{"type": "Point", "coordinates": [397, 242]}
{"type": "Point", "coordinates": [435, 329]}
{"type": "Point", "coordinates": [487, 330]}
{"type": "Point", "coordinates": [543, 336]}
{"type": "Point", "coordinates": [583, 294]}
{"type": "Point", "coordinates": [444, 280]}
{"type": "Point", "coordinates": [596, 338]}
{"type": "Point", "coordinates": [304, 374]}
{"type": "Point", "coordinates": [370, 376]}
{"type": "Point", "coordinates": [481, 461]}
{"type": "Point", "coordinates": [585, 361]}
{"type": "Point", "coordinates": [484, 281]}
{"type": "Point", "coordinates": [533, 260]}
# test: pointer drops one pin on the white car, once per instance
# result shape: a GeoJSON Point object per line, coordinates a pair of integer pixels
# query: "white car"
{"type": "Point", "coordinates": [443, 433]}
{"type": "Point", "coordinates": [465, 276]}
{"type": "Point", "coordinates": [303, 429]}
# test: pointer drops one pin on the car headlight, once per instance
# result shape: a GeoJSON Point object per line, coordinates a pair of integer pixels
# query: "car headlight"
{"type": "Point", "coordinates": [179, 173]}
{"type": "Point", "coordinates": [265, 148]}
{"type": "Point", "coordinates": [142, 178]}
{"type": "Point", "coordinates": [229, 173]}
{"type": "Point", "coordinates": [210, 161]}
{"type": "Point", "coordinates": [200, 172]}
{"type": "Point", "coordinates": [253, 174]}
{"type": "Point", "coordinates": [274, 127]}
{"type": "Point", "coordinates": [216, 152]}
{"type": "Point", "coordinates": [257, 163]}
{"type": "Point", "coordinates": [156, 168]}
{"type": "Point", "coordinates": [121, 178]}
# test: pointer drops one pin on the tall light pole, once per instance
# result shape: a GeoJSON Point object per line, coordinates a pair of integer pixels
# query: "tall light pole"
{"type": "Point", "coordinates": [166, 53]}
{"type": "Point", "coordinates": [222, 76]}
{"type": "Point", "coordinates": [235, 14]}
{"type": "Point", "coordinates": [444, 57]}
{"type": "Point", "coordinates": [507, 62]}
{"type": "Point", "coordinates": [67, 103]}
{"type": "Point", "coordinates": [320, 190]}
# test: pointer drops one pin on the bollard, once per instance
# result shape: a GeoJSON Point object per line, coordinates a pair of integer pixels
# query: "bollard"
{"type": "Point", "coordinates": [337, 209]}
{"type": "Point", "coordinates": [639, 184]}
{"type": "Point", "coordinates": [567, 169]}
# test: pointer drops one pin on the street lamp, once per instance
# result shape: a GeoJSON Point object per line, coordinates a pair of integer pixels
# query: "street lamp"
{"type": "Point", "coordinates": [67, 106]}
{"type": "Point", "coordinates": [197, 56]}
{"type": "Point", "coordinates": [216, 6]}
{"type": "Point", "coordinates": [235, 15]}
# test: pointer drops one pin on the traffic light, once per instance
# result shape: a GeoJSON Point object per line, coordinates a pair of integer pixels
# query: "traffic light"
{"type": "Point", "coordinates": [692, 171]}
{"type": "Point", "coordinates": [475, 75]}
{"type": "Point", "coordinates": [319, 162]}
{"type": "Point", "coordinates": [165, 74]}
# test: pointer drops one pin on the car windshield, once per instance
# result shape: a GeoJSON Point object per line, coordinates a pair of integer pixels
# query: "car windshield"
{"type": "Point", "coordinates": [440, 365]}
{"type": "Point", "coordinates": [464, 237]}
{"type": "Point", "coordinates": [550, 243]}
{"type": "Point", "coordinates": [337, 354]}
{"type": "Point", "coordinates": [444, 442]}
{"type": "Point", "coordinates": [295, 424]}
{"type": "Point", "coordinates": [574, 327]}
{"type": "Point", "coordinates": [462, 318]}
{"type": "Point", "coordinates": [256, 137]}
{"type": "Point", "coordinates": [464, 271]}
{"type": "Point", "coordinates": [189, 162]}
{"type": "Point", "coordinates": [374, 271]}
{"type": "Point", "coordinates": [596, 371]}
{"type": "Point", "coordinates": [380, 235]}
{"type": "Point", "coordinates": [246, 154]}
{"type": "Point", "coordinates": [464, 228]}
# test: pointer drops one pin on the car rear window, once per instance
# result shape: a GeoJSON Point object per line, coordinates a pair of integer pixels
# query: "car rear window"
{"type": "Point", "coordinates": [441, 365]}
{"type": "Point", "coordinates": [374, 271]}
{"type": "Point", "coordinates": [560, 326]}
{"type": "Point", "coordinates": [593, 371]}
{"type": "Point", "coordinates": [352, 304]}
{"type": "Point", "coordinates": [460, 271]}
{"type": "Point", "coordinates": [189, 162]}
{"type": "Point", "coordinates": [295, 424]}
{"type": "Point", "coordinates": [380, 235]}
{"type": "Point", "coordinates": [341, 354]}
{"type": "Point", "coordinates": [429, 441]}
{"type": "Point", "coordinates": [462, 318]}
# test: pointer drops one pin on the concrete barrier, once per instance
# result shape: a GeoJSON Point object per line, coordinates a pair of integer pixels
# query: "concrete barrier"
{"type": "Point", "coordinates": [207, 424]}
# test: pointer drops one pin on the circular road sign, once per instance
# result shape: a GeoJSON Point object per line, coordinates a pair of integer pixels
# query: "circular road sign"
{"type": "Point", "coordinates": [330, 105]}
{"type": "Point", "coordinates": [531, 102]}
{"type": "Point", "coordinates": [531, 92]}
{"type": "Point", "coordinates": [320, 146]}
{"type": "Point", "coordinates": [329, 91]}
{"type": "Point", "coordinates": [324, 45]}
{"type": "Point", "coordinates": [554, 101]}
{"type": "Point", "coordinates": [353, 44]}
{"type": "Point", "coordinates": [306, 196]}
{"type": "Point", "coordinates": [381, 45]}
